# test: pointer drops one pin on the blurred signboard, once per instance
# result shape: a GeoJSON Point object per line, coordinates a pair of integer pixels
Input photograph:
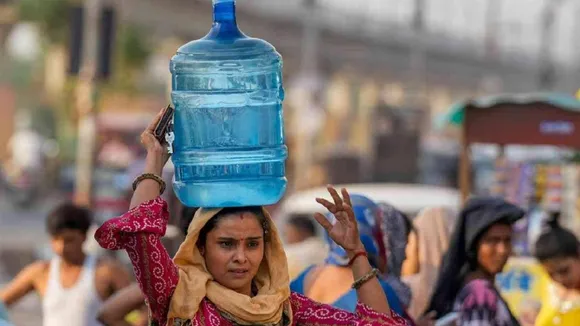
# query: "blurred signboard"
{"type": "Point", "coordinates": [537, 124]}
{"type": "Point", "coordinates": [523, 284]}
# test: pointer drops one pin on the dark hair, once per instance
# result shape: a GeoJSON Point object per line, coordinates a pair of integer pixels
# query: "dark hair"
{"type": "Point", "coordinates": [303, 223]}
{"type": "Point", "coordinates": [187, 214]}
{"type": "Point", "coordinates": [477, 216]}
{"type": "Point", "coordinates": [556, 241]}
{"type": "Point", "coordinates": [472, 252]}
{"type": "Point", "coordinates": [68, 216]}
{"type": "Point", "coordinates": [212, 223]}
{"type": "Point", "coordinates": [408, 224]}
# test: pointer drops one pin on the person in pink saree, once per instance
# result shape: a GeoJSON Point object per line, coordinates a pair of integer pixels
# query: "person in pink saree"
{"type": "Point", "coordinates": [231, 268]}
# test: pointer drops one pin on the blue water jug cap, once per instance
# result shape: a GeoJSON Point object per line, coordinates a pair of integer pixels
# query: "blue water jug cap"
{"type": "Point", "coordinates": [224, 11]}
{"type": "Point", "coordinates": [224, 41]}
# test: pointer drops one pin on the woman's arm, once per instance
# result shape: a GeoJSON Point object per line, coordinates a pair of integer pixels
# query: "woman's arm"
{"type": "Point", "coordinates": [139, 232]}
{"type": "Point", "coordinates": [371, 292]}
{"type": "Point", "coordinates": [157, 157]}
{"type": "Point", "coordinates": [308, 312]}
{"type": "Point", "coordinates": [345, 233]}
{"type": "Point", "coordinates": [115, 309]}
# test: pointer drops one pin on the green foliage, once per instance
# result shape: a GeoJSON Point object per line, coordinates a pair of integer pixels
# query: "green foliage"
{"type": "Point", "coordinates": [18, 74]}
{"type": "Point", "coordinates": [51, 15]}
{"type": "Point", "coordinates": [134, 50]}
{"type": "Point", "coordinates": [44, 121]}
{"type": "Point", "coordinates": [575, 158]}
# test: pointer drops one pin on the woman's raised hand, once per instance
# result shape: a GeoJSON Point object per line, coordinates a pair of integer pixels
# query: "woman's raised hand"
{"type": "Point", "coordinates": [345, 231]}
{"type": "Point", "coordinates": [157, 154]}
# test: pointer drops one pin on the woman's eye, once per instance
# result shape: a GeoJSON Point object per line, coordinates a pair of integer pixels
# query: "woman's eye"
{"type": "Point", "coordinates": [226, 244]}
{"type": "Point", "coordinates": [253, 244]}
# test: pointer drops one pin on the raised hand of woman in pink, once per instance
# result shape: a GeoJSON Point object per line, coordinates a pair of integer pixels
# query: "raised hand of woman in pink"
{"type": "Point", "coordinates": [345, 230]}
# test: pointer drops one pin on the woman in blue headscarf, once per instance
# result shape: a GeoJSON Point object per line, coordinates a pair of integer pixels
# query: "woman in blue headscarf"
{"type": "Point", "coordinates": [380, 230]}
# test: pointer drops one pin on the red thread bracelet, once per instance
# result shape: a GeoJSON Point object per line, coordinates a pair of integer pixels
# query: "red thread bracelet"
{"type": "Point", "coordinates": [358, 254]}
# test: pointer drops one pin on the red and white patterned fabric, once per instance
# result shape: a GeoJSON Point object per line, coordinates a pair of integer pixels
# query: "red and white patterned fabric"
{"type": "Point", "coordinates": [139, 232]}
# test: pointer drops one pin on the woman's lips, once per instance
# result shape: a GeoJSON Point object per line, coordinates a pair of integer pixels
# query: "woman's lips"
{"type": "Point", "coordinates": [239, 272]}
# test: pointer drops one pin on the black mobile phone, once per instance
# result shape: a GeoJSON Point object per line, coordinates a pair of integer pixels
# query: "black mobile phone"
{"type": "Point", "coordinates": [163, 124]}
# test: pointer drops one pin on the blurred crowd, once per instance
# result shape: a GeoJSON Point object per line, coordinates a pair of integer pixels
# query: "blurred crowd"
{"type": "Point", "coordinates": [433, 265]}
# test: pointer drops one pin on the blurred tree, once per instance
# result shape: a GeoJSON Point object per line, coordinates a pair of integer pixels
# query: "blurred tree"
{"type": "Point", "coordinates": [132, 52]}
{"type": "Point", "coordinates": [56, 118]}
{"type": "Point", "coordinates": [134, 48]}
{"type": "Point", "coordinates": [44, 120]}
{"type": "Point", "coordinates": [51, 15]}
{"type": "Point", "coordinates": [575, 157]}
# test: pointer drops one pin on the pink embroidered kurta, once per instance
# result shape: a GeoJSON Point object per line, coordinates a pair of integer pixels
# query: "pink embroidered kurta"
{"type": "Point", "coordinates": [139, 232]}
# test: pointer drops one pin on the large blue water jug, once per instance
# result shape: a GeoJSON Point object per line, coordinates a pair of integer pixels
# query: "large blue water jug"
{"type": "Point", "coordinates": [227, 92]}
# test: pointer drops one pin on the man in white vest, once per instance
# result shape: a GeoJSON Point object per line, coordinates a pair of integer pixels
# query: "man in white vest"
{"type": "Point", "coordinates": [72, 285]}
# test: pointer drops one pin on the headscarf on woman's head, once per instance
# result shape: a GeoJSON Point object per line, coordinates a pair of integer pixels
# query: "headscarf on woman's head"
{"type": "Point", "coordinates": [395, 227]}
{"type": "Point", "coordinates": [478, 215]}
{"type": "Point", "coordinates": [433, 240]}
{"type": "Point", "coordinates": [268, 306]}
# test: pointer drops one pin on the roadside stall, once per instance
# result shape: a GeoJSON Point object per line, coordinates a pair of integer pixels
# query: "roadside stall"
{"type": "Point", "coordinates": [529, 120]}
{"type": "Point", "coordinates": [522, 119]}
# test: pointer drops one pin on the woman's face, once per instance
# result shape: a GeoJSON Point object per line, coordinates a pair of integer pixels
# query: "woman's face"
{"type": "Point", "coordinates": [565, 271]}
{"type": "Point", "coordinates": [494, 248]}
{"type": "Point", "coordinates": [234, 250]}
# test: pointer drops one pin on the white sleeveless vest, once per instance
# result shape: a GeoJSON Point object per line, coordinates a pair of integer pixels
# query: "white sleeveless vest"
{"type": "Point", "coordinates": [74, 306]}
